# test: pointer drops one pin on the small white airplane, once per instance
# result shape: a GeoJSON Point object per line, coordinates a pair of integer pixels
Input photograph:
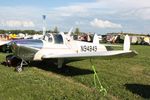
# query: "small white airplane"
{"type": "Point", "coordinates": [61, 47]}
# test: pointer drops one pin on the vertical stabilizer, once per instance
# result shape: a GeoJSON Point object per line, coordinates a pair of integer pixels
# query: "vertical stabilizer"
{"type": "Point", "coordinates": [95, 39]}
{"type": "Point", "coordinates": [126, 45]}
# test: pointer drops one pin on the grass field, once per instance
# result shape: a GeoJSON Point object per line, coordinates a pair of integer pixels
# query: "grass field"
{"type": "Point", "coordinates": [124, 79]}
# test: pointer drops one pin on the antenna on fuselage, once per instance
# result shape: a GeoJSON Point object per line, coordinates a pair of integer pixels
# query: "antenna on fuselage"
{"type": "Point", "coordinates": [44, 25]}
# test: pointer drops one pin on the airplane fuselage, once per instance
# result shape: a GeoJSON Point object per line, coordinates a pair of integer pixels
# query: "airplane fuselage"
{"type": "Point", "coordinates": [35, 49]}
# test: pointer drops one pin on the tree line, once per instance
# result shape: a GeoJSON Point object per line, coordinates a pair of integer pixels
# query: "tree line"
{"type": "Point", "coordinates": [32, 32]}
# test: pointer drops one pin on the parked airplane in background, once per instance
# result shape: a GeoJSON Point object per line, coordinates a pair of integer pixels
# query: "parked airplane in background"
{"type": "Point", "coordinates": [61, 47]}
{"type": "Point", "coordinates": [5, 46]}
{"type": "Point", "coordinates": [3, 42]}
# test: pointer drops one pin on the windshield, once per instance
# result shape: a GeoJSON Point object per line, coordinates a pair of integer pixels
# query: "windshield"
{"type": "Point", "coordinates": [58, 39]}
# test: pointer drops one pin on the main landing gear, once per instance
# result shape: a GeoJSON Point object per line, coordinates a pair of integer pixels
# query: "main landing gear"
{"type": "Point", "coordinates": [13, 61]}
{"type": "Point", "coordinates": [60, 63]}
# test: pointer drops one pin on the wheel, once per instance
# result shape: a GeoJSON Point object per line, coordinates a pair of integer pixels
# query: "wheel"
{"type": "Point", "coordinates": [18, 69]}
{"type": "Point", "coordinates": [9, 60]}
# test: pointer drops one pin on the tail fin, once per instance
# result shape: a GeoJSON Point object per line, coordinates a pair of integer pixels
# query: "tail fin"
{"type": "Point", "coordinates": [95, 39]}
{"type": "Point", "coordinates": [126, 45]}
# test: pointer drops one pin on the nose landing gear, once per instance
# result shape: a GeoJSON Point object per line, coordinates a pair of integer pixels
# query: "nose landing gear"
{"type": "Point", "coordinates": [19, 68]}
{"type": "Point", "coordinates": [13, 61]}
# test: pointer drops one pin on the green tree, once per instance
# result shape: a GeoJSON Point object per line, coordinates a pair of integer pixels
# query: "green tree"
{"type": "Point", "coordinates": [56, 30]}
{"type": "Point", "coordinates": [2, 31]}
{"type": "Point", "coordinates": [77, 31]}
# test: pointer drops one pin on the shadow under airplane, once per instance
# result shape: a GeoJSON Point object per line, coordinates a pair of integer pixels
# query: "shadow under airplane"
{"type": "Point", "coordinates": [139, 89]}
{"type": "Point", "coordinates": [65, 70]}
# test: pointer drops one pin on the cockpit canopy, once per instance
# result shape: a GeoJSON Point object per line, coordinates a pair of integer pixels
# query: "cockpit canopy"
{"type": "Point", "coordinates": [54, 38]}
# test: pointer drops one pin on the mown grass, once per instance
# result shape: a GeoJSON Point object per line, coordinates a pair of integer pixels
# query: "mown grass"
{"type": "Point", "coordinates": [124, 79]}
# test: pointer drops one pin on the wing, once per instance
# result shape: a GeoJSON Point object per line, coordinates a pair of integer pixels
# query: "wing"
{"type": "Point", "coordinates": [4, 42]}
{"type": "Point", "coordinates": [91, 55]}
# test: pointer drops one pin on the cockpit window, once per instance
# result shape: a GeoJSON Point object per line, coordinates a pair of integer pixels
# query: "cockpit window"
{"type": "Point", "coordinates": [58, 39]}
{"type": "Point", "coordinates": [50, 39]}
{"type": "Point", "coordinates": [54, 38]}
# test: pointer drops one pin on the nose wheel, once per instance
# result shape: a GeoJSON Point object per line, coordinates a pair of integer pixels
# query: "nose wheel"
{"type": "Point", "coordinates": [19, 68]}
{"type": "Point", "coordinates": [15, 62]}
{"type": "Point", "coordinates": [9, 60]}
{"type": "Point", "coordinates": [60, 63]}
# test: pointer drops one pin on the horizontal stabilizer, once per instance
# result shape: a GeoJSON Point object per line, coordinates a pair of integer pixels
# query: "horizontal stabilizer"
{"type": "Point", "coordinates": [112, 45]}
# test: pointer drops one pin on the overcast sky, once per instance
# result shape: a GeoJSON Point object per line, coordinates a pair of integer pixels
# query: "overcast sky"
{"type": "Point", "coordinates": [100, 16]}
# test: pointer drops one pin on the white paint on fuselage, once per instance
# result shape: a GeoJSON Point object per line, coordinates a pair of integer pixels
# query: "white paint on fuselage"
{"type": "Point", "coordinates": [70, 47]}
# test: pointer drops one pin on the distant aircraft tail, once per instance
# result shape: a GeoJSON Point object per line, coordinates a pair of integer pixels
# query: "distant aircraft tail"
{"type": "Point", "coordinates": [126, 45]}
{"type": "Point", "coordinates": [70, 31]}
{"type": "Point", "coordinates": [68, 35]}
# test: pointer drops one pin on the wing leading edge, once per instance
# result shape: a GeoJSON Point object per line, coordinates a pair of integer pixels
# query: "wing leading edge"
{"type": "Point", "coordinates": [91, 55]}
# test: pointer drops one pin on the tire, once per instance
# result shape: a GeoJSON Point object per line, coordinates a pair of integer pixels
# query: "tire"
{"type": "Point", "coordinates": [9, 60]}
{"type": "Point", "coordinates": [18, 69]}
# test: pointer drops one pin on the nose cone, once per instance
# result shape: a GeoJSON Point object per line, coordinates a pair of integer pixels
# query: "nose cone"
{"type": "Point", "coordinates": [26, 49]}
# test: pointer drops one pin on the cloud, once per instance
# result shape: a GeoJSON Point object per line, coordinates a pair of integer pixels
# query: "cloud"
{"type": "Point", "coordinates": [104, 24]}
{"type": "Point", "coordinates": [17, 23]}
{"type": "Point", "coordinates": [126, 12]}
{"type": "Point", "coordinates": [130, 8]}
{"type": "Point", "coordinates": [142, 13]}
{"type": "Point", "coordinates": [125, 3]}
{"type": "Point", "coordinates": [79, 22]}
{"type": "Point", "coordinates": [70, 10]}
{"type": "Point", "coordinates": [77, 9]}
{"type": "Point", "coordinates": [104, 8]}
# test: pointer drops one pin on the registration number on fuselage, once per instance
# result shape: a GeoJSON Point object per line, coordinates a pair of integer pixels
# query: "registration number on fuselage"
{"type": "Point", "coordinates": [87, 48]}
